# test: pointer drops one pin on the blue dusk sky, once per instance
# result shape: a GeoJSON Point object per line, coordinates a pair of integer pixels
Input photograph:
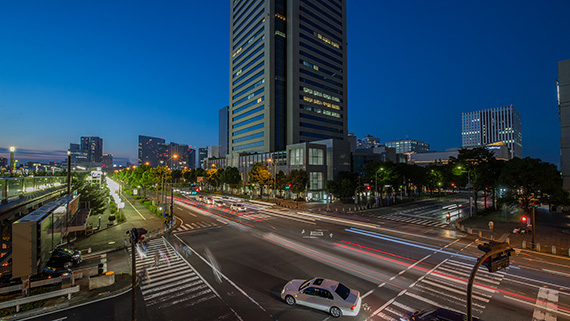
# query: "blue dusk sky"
{"type": "Point", "coordinates": [119, 69]}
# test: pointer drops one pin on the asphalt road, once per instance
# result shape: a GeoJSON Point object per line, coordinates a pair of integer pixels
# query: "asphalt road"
{"type": "Point", "coordinates": [226, 265]}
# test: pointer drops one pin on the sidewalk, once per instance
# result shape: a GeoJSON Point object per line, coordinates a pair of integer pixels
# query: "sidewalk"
{"type": "Point", "coordinates": [552, 233]}
{"type": "Point", "coordinates": [110, 242]}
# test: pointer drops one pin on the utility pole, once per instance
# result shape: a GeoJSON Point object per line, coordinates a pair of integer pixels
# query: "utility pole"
{"type": "Point", "coordinates": [533, 227]}
{"type": "Point", "coordinates": [68, 195]}
{"type": "Point", "coordinates": [135, 235]}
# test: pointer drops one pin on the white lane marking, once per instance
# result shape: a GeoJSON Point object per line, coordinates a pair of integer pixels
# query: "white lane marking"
{"type": "Point", "coordinates": [135, 209]}
{"type": "Point", "coordinates": [546, 301]}
{"type": "Point", "coordinates": [220, 273]}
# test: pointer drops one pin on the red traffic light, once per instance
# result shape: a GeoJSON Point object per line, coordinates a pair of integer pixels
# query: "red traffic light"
{"type": "Point", "coordinates": [197, 189]}
{"type": "Point", "coordinates": [368, 187]}
{"type": "Point", "coordinates": [524, 218]}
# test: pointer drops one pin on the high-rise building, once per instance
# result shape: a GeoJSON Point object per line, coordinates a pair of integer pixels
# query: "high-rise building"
{"type": "Point", "coordinates": [288, 77]}
{"type": "Point", "coordinates": [223, 130]}
{"type": "Point", "coordinates": [191, 158]}
{"type": "Point", "coordinates": [368, 141]}
{"type": "Point", "coordinates": [213, 151]}
{"type": "Point", "coordinates": [181, 159]}
{"type": "Point", "coordinates": [563, 86]}
{"type": "Point", "coordinates": [202, 155]}
{"type": "Point", "coordinates": [151, 151]}
{"type": "Point", "coordinates": [502, 124]}
{"type": "Point", "coordinates": [93, 146]}
{"type": "Point", "coordinates": [107, 162]}
{"type": "Point", "coordinates": [408, 146]}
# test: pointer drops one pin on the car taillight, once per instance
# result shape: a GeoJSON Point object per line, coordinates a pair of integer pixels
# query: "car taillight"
{"type": "Point", "coordinates": [354, 307]}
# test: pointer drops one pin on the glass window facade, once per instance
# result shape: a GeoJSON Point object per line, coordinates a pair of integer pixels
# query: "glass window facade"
{"type": "Point", "coordinates": [297, 156]}
{"type": "Point", "coordinates": [316, 156]}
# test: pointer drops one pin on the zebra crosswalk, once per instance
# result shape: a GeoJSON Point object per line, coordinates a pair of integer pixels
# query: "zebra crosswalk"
{"type": "Point", "coordinates": [167, 279]}
{"type": "Point", "coordinates": [415, 220]}
{"type": "Point", "coordinates": [444, 286]}
{"type": "Point", "coordinates": [198, 225]}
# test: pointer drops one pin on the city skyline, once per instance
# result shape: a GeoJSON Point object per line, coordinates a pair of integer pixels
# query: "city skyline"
{"type": "Point", "coordinates": [413, 69]}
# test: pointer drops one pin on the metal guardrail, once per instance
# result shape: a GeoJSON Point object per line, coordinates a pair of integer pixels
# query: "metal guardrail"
{"type": "Point", "coordinates": [43, 296]}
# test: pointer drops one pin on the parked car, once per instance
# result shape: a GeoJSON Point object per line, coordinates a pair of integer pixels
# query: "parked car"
{"type": "Point", "coordinates": [64, 258]}
{"type": "Point", "coordinates": [323, 294]}
{"type": "Point", "coordinates": [237, 207]}
{"type": "Point", "coordinates": [6, 279]}
{"type": "Point", "coordinates": [439, 314]}
{"type": "Point", "coordinates": [50, 272]}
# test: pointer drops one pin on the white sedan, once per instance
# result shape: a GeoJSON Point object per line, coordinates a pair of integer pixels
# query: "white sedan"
{"type": "Point", "coordinates": [238, 207]}
{"type": "Point", "coordinates": [323, 294]}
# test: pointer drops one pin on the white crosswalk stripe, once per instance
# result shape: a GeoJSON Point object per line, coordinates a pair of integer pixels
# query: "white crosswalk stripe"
{"type": "Point", "coordinates": [171, 281]}
{"type": "Point", "coordinates": [444, 287]}
{"type": "Point", "coordinates": [412, 220]}
{"type": "Point", "coordinates": [197, 225]}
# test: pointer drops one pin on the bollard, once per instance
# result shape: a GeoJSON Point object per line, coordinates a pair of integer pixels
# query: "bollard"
{"type": "Point", "coordinates": [469, 230]}
{"type": "Point", "coordinates": [553, 249]}
{"type": "Point", "coordinates": [462, 228]}
{"type": "Point", "coordinates": [508, 241]}
{"type": "Point", "coordinates": [491, 237]}
{"type": "Point", "coordinates": [538, 247]}
{"type": "Point", "coordinates": [480, 234]}
{"type": "Point", "coordinates": [89, 250]}
{"type": "Point", "coordinates": [523, 244]}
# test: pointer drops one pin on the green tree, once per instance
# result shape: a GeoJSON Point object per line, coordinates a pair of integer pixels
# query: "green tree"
{"type": "Point", "coordinates": [158, 176]}
{"type": "Point", "coordinates": [231, 176]}
{"type": "Point", "coordinates": [95, 196]}
{"type": "Point", "coordinates": [529, 178]}
{"type": "Point", "coordinates": [298, 179]}
{"type": "Point", "coordinates": [259, 174]}
{"type": "Point", "coordinates": [343, 186]}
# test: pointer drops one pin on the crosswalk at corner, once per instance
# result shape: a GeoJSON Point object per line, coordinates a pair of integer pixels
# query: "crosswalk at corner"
{"type": "Point", "coordinates": [198, 226]}
{"type": "Point", "coordinates": [413, 220]}
{"type": "Point", "coordinates": [169, 283]}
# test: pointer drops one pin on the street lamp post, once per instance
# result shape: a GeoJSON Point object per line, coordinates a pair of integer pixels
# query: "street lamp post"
{"type": "Point", "coordinates": [273, 163]}
{"type": "Point", "coordinates": [68, 194]}
{"type": "Point", "coordinates": [12, 165]}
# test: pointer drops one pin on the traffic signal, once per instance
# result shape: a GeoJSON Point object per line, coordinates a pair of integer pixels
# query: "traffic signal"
{"type": "Point", "coordinates": [367, 188]}
{"type": "Point", "coordinates": [499, 260]}
{"type": "Point", "coordinates": [197, 189]}
{"type": "Point", "coordinates": [137, 234]}
{"type": "Point", "coordinates": [288, 186]}
{"type": "Point", "coordinates": [524, 219]}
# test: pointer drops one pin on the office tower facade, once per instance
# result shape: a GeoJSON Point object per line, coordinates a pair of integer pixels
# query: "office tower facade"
{"type": "Point", "coordinates": [151, 151]}
{"type": "Point", "coordinates": [408, 146]}
{"type": "Point", "coordinates": [368, 141]}
{"type": "Point", "coordinates": [191, 158]}
{"type": "Point", "coordinates": [223, 130]}
{"type": "Point", "coordinates": [502, 124]}
{"type": "Point", "coordinates": [202, 155]}
{"type": "Point", "coordinates": [107, 162]}
{"type": "Point", "coordinates": [176, 156]}
{"type": "Point", "coordinates": [93, 146]}
{"type": "Point", "coordinates": [563, 89]}
{"type": "Point", "coordinates": [287, 74]}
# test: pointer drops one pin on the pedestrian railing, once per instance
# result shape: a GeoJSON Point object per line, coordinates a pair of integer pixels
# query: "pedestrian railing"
{"type": "Point", "coordinates": [44, 296]}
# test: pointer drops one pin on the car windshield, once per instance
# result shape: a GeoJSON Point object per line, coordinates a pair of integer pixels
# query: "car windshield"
{"type": "Point", "coordinates": [342, 291]}
{"type": "Point", "coordinates": [304, 285]}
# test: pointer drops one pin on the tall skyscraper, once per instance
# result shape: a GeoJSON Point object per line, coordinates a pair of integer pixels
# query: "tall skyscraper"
{"type": "Point", "coordinates": [202, 155]}
{"type": "Point", "coordinates": [288, 77]}
{"type": "Point", "coordinates": [408, 146]}
{"type": "Point", "coordinates": [107, 162]}
{"type": "Point", "coordinates": [563, 87]}
{"type": "Point", "coordinates": [502, 124]}
{"type": "Point", "coordinates": [223, 130]}
{"type": "Point", "coordinates": [93, 146]}
{"type": "Point", "coordinates": [368, 141]}
{"type": "Point", "coordinates": [181, 159]}
{"type": "Point", "coordinates": [151, 151]}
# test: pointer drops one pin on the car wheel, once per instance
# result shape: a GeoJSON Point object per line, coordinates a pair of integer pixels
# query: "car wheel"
{"type": "Point", "coordinates": [335, 312]}
{"type": "Point", "coordinates": [67, 265]}
{"type": "Point", "coordinates": [290, 300]}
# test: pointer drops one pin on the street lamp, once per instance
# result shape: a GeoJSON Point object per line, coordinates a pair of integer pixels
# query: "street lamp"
{"type": "Point", "coordinates": [12, 165]}
{"type": "Point", "coordinates": [469, 186]}
{"type": "Point", "coordinates": [273, 163]}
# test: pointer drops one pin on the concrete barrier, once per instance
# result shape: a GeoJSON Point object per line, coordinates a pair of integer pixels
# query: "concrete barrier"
{"type": "Point", "coordinates": [102, 281]}
{"type": "Point", "coordinates": [469, 230]}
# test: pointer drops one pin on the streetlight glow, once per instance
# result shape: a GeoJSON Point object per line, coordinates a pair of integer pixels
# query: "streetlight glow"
{"type": "Point", "coordinates": [12, 149]}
